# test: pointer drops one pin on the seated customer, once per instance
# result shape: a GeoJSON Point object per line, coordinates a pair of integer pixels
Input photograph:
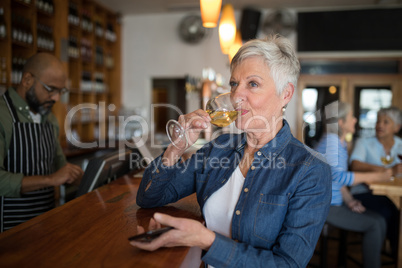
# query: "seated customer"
{"type": "Point", "coordinates": [366, 156]}
{"type": "Point", "coordinates": [345, 211]}
{"type": "Point", "coordinates": [263, 195]}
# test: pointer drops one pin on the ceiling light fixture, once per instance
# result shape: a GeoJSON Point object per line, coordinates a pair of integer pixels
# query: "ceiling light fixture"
{"type": "Point", "coordinates": [210, 10]}
{"type": "Point", "coordinates": [227, 28]}
{"type": "Point", "coordinates": [235, 46]}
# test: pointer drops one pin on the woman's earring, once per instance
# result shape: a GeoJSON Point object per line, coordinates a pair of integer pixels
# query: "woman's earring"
{"type": "Point", "coordinates": [283, 109]}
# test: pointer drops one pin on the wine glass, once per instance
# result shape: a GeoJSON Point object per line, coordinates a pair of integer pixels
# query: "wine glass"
{"type": "Point", "coordinates": [387, 160]}
{"type": "Point", "coordinates": [221, 110]}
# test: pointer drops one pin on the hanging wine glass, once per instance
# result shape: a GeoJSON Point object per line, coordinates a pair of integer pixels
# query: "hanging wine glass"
{"type": "Point", "coordinates": [221, 110]}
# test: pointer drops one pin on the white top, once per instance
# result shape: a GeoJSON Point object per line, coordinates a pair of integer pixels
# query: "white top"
{"type": "Point", "coordinates": [218, 209]}
{"type": "Point", "coordinates": [37, 118]}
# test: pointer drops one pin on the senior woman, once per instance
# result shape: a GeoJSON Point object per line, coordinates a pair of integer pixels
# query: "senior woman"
{"type": "Point", "coordinates": [366, 156]}
{"type": "Point", "coordinates": [263, 195]}
{"type": "Point", "coordinates": [346, 212]}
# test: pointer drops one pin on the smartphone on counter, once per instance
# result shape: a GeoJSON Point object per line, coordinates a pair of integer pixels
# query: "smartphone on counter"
{"type": "Point", "coordinates": [150, 235]}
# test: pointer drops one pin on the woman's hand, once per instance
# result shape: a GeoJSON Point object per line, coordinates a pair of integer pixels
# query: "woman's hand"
{"type": "Point", "coordinates": [385, 175]}
{"type": "Point", "coordinates": [194, 123]}
{"type": "Point", "coordinates": [397, 170]}
{"type": "Point", "coordinates": [186, 233]}
{"type": "Point", "coordinates": [356, 206]}
{"type": "Point", "coordinates": [353, 204]}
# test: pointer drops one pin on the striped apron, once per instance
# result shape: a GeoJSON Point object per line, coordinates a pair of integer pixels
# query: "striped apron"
{"type": "Point", "coordinates": [31, 152]}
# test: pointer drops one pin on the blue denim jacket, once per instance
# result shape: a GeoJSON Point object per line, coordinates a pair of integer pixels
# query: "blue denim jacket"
{"type": "Point", "coordinates": [280, 212]}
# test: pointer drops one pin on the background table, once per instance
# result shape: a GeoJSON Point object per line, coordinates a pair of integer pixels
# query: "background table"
{"type": "Point", "coordinates": [92, 231]}
{"type": "Point", "coordinates": [392, 189]}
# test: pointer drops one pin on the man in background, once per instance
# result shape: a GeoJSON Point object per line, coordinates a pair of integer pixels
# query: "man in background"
{"type": "Point", "coordinates": [31, 159]}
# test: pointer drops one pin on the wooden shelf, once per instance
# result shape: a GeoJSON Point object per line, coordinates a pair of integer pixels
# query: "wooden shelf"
{"type": "Point", "coordinates": [72, 59]}
{"type": "Point", "coordinates": [74, 28]}
{"type": "Point", "coordinates": [45, 50]}
{"type": "Point", "coordinates": [23, 4]}
{"type": "Point", "coordinates": [22, 44]}
{"type": "Point", "coordinates": [74, 67]}
{"type": "Point", "coordinates": [47, 14]}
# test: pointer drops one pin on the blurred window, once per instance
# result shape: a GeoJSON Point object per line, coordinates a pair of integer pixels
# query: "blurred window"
{"type": "Point", "coordinates": [369, 100]}
{"type": "Point", "coordinates": [314, 99]}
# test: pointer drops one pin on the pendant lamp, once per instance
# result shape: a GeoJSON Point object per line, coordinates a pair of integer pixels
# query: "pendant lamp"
{"type": "Point", "coordinates": [235, 46]}
{"type": "Point", "coordinates": [210, 10]}
{"type": "Point", "coordinates": [227, 28]}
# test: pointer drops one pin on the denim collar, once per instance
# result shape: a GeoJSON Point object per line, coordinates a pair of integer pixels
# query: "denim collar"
{"type": "Point", "coordinates": [274, 147]}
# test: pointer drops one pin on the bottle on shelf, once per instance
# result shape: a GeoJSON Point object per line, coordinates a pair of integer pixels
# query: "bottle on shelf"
{"type": "Point", "coordinates": [110, 34]}
{"type": "Point", "coordinates": [21, 29]}
{"type": "Point", "coordinates": [99, 84]}
{"type": "Point", "coordinates": [73, 17]}
{"type": "Point", "coordinates": [45, 37]}
{"type": "Point", "coordinates": [14, 30]}
{"type": "Point", "coordinates": [51, 6]}
{"type": "Point", "coordinates": [45, 6]}
{"type": "Point", "coordinates": [99, 32]}
{"type": "Point", "coordinates": [24, 30]}
{"type": "Point", "coordinates": [3, 71]}
{"type": "Point", "coordinates": [17, 67]}
{"type": "Point", "coordinates": [86, 22]}
{"type": "Point", "coordinates": [85, 115]}
{"type": "Point", "coordinates": [28, 31]}
{"type": "Point", "coordinates": [73, 51]}
{"type": "Point", "coordinates": [109, 60]}
{"type": "Point", "coordinates": [86, 50]}
{"type": "Point", "coordinates": [99, 55]}
{"type": "Point", "coordinates": [86, 83]}
{"type": "Point", "coordinates": [3, 26]}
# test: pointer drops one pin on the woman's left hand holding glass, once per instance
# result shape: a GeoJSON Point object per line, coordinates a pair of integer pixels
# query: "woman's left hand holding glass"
{"type": "Point", "coordinates": [186, 232]}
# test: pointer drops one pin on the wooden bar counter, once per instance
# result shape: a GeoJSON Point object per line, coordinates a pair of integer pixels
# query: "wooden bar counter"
{"type": "Point", "coordinates": [92, 231]}
{"type": "Point", "coordinates": [392, 189]}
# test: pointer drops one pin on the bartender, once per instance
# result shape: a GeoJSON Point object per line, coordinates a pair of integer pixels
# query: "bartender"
{"type": "Point", "coordinates": [31, 159]}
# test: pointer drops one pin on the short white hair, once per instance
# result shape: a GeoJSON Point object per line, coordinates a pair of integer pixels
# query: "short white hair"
{"type": "Point", "coordinates": [392, 112]}
{"type": "Point", "coordinates": [278, 54]}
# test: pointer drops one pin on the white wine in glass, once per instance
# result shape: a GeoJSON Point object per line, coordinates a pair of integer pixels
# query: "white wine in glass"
{"type": "Point", "coordinates": [222, 118]}
{"type": "Point", "coordinates": [221, 110]}
{"type": "Point", "coordinates": [387, 160]}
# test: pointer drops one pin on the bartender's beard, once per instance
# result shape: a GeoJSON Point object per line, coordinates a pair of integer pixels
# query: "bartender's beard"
{"type": "Point", "coordinates": [36, 106]}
